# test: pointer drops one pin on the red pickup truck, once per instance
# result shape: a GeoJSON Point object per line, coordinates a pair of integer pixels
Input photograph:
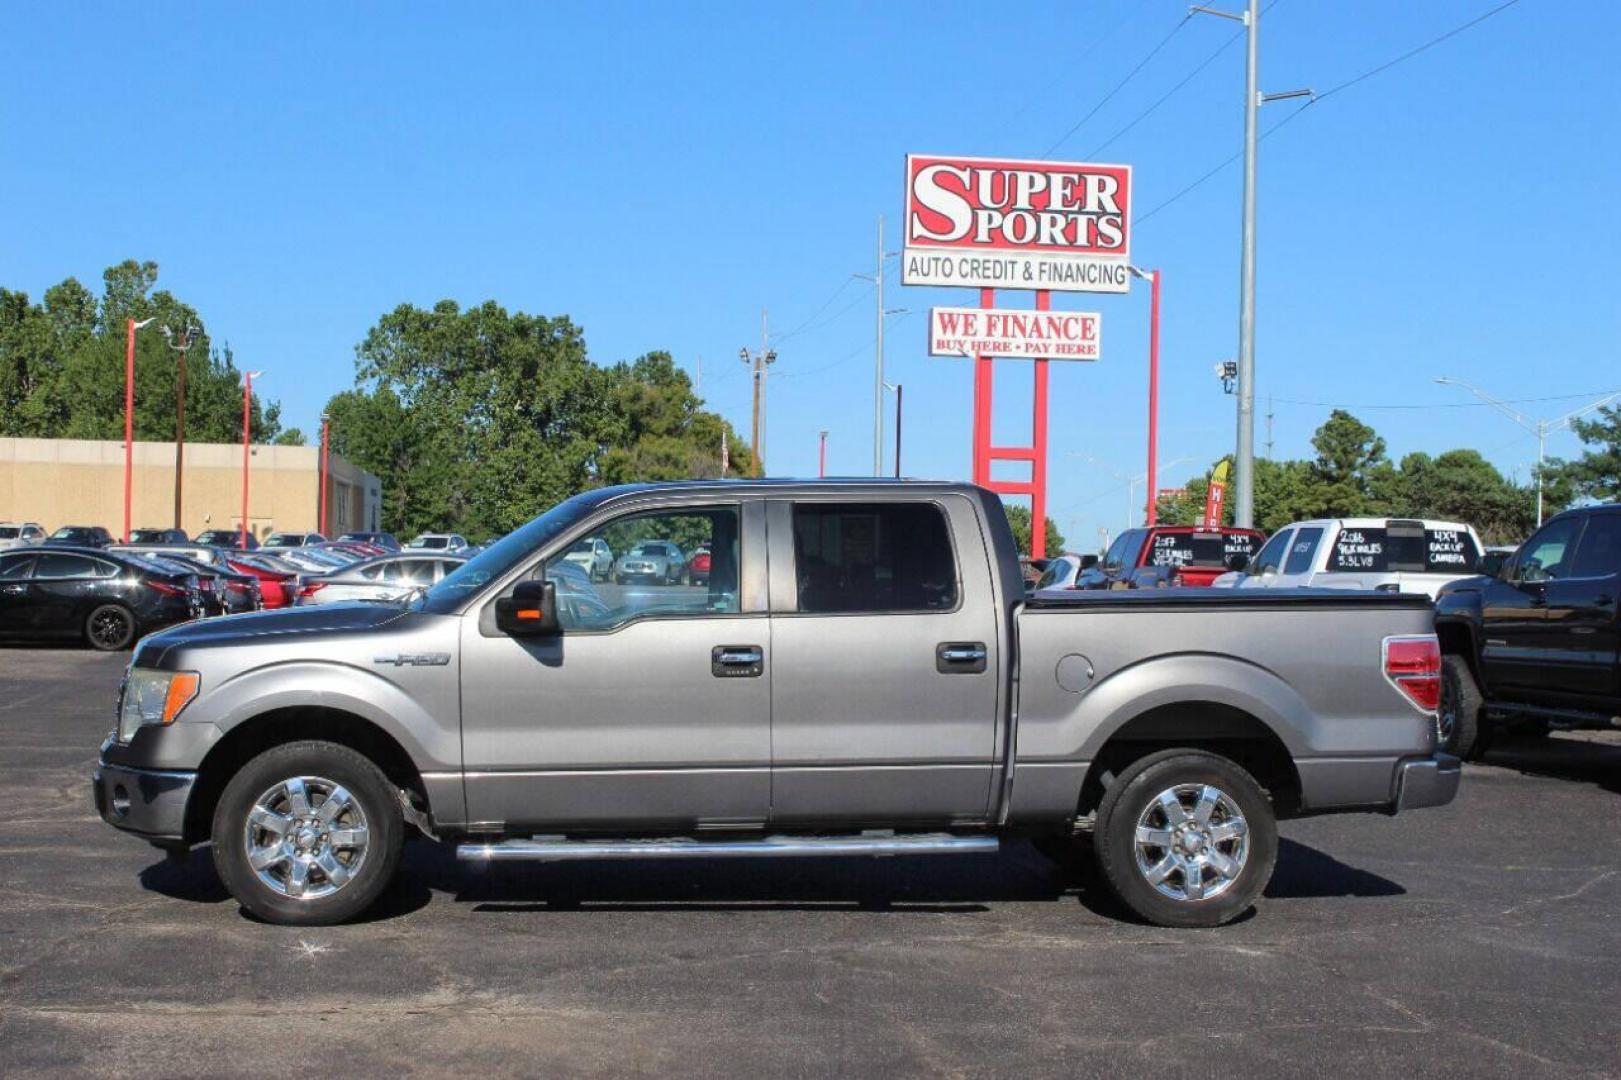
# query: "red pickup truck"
{"type": "Point", "coordinates": [1162, 555]}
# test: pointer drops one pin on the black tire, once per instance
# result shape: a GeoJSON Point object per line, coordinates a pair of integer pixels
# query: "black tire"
{"type": "Point", "coordinates": [1128, 801]}
{"type": "Point", "coordinates": [368, 789]}
{"type": "Point", "coordinates": [110, 627]}
{"type": "Point", "coordinates": [1460, 720]}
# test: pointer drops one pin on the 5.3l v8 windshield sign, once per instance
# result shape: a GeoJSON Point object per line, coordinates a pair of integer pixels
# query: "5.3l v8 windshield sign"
{"type": "Point", "coordinates": [986, 223]}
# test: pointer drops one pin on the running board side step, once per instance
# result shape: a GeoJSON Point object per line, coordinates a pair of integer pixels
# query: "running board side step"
{"type": "Point", "coordinates": [546, 850]}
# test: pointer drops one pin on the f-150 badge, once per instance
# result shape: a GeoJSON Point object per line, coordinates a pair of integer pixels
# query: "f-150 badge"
{"type": "Point", "coordinates": [427, 659]}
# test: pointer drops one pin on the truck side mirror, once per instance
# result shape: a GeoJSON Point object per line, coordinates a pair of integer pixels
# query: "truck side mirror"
{"type": "Point", "coordinates": [530, 611]}
{"type": "Point", "coordinates": [1491, 564]}
{"type": "Point", "coordinates": [1238, 562]}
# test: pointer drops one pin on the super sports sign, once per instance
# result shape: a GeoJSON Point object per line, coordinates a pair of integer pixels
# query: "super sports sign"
{"type": "Point", "coordinates": [1007, 224]}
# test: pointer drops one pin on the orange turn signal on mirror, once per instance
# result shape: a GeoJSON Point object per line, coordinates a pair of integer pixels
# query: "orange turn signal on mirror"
{"type": "Point", "coordinates": [182, 688]}
{"type": "Point", "coordinates": [527, 613]}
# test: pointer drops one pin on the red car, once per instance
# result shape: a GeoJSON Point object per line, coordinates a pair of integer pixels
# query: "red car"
{"type": "Point", "coordinates": [1161, 555]}
{"type": "Point", "coordinates": [275, 586]}
{"type": "Point", "coordinates": [698, 567]}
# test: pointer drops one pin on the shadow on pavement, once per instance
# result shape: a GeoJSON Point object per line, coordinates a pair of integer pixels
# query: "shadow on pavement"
{"type": "Point", "coordinates": [1576, 756]}
{"type": "Point", "coordinates": [1306, 873]}
{"type": "Point", "coordinates": [938, 885]}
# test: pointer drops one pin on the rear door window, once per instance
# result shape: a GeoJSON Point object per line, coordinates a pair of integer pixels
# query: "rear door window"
{"type": "Point", "coordinates": [1599, 552]}
{"type": "Point", "coordinates": [57, 567]}
{"type": "Point", "coordinates": [863, 557]}
{"type": "Point", "coordinates": [1303, 550]}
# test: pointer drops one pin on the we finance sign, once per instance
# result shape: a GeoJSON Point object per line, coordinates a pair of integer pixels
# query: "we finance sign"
{"type": "Point", "coordinates": [1009, 224]}
{"type": "Point", "coordinates": [1047, 335]}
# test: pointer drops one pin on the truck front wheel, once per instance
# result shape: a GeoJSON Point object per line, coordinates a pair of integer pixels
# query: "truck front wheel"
{"type": "Point", "coordinates": [1186, 838]}
{"type": "Point", "coordinates": [307, 834]}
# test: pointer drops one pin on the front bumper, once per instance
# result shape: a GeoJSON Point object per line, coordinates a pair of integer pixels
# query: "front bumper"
{"type": "Point", "coordinates": [148, 802]}
{"type": "Point", "coordinates": [1427, 781]}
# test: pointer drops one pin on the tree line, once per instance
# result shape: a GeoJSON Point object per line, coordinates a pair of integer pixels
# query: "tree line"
{"type": "Point", "coordinates": [1351, 475]}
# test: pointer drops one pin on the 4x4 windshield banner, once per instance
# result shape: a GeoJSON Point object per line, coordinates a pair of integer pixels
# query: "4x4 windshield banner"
{"type": "Point", "coordinates": [1008, 224]}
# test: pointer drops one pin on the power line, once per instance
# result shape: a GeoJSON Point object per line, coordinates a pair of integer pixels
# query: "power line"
{"type": "Point", "coordinates": [1119, 86]}
{"type": "Point", "coordinates": [806, 325]}
{"type": "Point", "coordinates": [1098, 41]}
{"type": "Point", "coordinates": [1346, 85]}
{"type": "Point", "coordinates": [1447, 404]}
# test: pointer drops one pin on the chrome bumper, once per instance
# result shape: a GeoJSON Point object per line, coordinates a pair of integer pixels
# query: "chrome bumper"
{"type": "Point", "coordinates": [1428, 781]}
{"type": "Point", "coordinates": [149, 802]}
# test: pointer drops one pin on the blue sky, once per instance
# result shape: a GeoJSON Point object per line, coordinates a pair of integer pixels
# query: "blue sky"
{"type": "Point", "coordinates": [662, 172]}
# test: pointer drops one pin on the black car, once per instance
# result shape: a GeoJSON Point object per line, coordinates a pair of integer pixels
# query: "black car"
{"type": "Point", "coordinates": [227, 538]}
{"type": "Point", "coordinates": [225, 591]}
{"type": "Point", "coordinates": [103, 598]}
{"type": "Point", "coordinates": [159, 536]}
{"type": "Point", "coordinates": [1537, 644]}
{"type": "Point", "coordinates": [93, 536]}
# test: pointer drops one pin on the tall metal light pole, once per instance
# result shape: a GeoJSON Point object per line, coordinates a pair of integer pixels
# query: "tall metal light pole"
{"type": "Point", "coordinates": [1244, 459]}
{"type": "Point", "coordinates": [899, 390]}
{"type": "Point", "coordinates": [761, 361]}
{"type": "Point", "coordinates": [878, 371]}
{"type": "Point", "coordinates": [180, 343]}
{"type": "Point", "coordinates": [129, 416]}
{"type": "Point", "coordinates": [821, 455]}
{"type": "Point", "coordinates": [247, 424]}
{"type": "Point", "coordinates": [1540, 428]}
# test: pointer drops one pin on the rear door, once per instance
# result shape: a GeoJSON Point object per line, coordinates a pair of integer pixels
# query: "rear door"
{"type": "Point", "coordinates": [884, 629]}
{"type": "Point", "coordinates": [62, 584]}
{"type": "Point", "coordinates": [1581, 632]}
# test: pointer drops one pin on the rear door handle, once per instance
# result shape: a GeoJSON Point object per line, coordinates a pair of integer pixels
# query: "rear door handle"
{"type": "Point", "coordinates": [960, 657]}
{"type": "Point", "coordinates": [737, 661]}
{"type": "Point", "coordinates": [16, 588]}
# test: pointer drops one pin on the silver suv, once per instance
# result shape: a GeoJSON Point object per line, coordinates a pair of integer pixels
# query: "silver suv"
{"type": "Point", "coordinates": [15, 535]}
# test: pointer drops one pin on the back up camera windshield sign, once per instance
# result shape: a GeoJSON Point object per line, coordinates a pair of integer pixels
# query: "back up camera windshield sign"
{"type": "Point", "coordinates": [1010, 224]}
{"type": "Point", "coordinates": [1397, 549]}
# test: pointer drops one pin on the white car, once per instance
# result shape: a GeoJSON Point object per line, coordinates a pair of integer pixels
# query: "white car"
{"type": "Point", "coordinates": [387, 577]}
{"type": "Point", "coordinates": [15, 535]}
{"type": "Point", "coordinates": [438, 542]}
{"type": "Point", "coordinates": [594, 556]}
{"type": "Point", "coordinates": [1383, 554]}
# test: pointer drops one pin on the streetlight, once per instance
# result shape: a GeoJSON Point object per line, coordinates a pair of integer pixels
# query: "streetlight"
{"type": "Point", "coordinates": [130, 326]}
{"type": "Point", "coordinates": [821, 456]}
{"type": "Point", "coordinates": [247, 425]}
{"type": "Point", "coordinates": [1153, 277]}
{"type": "Point", "coordinates": [1539, 428]}
{"type": "Point", "coordinates": [1131, 482]}
{"type": "Point", "coordinates": [326, 466]}
{"type": "Point", "coordinates": [180, 343]}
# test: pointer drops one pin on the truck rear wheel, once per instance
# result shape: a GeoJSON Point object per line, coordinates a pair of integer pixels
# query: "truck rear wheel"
{"type": "Point", "coordinates": [1458, 721]}
{"type": "Point", "coordinates": [307, 834]}
{"type": "Point", "coordinates": [1186, 839]}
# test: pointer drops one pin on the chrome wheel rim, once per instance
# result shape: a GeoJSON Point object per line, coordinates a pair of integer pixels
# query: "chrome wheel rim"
{"type": "Point", "coordinates": [306, 837]}
{"type": "Point", "coordinates": [1192, 842]}
{"type": "Point", "coordinates": [109, 627]}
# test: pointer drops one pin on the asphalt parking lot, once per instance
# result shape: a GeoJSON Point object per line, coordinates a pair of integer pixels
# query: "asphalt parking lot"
{"type": "Point", "coordinates": [1478, 939]}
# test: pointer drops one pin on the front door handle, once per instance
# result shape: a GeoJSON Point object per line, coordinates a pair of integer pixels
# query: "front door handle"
{"type": "Point", "coordinates": [16, 588]}
{"type": "Point", "coordinates": [737, 661]}
{"type": "Point", "coordinates": [960, 657]}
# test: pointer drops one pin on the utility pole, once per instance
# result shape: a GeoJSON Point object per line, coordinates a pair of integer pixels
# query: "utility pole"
{"type": "Point", "coordinates": [1540, 428]}
{"type": "Point", "coordinates": [899, 390]}
{"type": "Point", "coordinates": [1244, 459]}
{"type": "Point", "coordinates": [180, 343]}
{"type": "Point", "coordinates": [760, 361]}
{"type": "Point", "coordinates": [821, 456]}
{"type": "Point", "coordinates": [325, 470]}
{"type": "Point", "coordinates": [247, 420]}
{"type": "Point", "coordinates": [1269, 427]}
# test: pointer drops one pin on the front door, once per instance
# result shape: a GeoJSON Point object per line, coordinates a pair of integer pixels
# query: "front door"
{"type": "Point", "coordinates": [1521, 640]}
{"type": "Point", "coordinates": [16, 604]}
{"type": "Point", "coordinates": [652, 709]}
{"type": "Point", "coordinates": [887, 661]}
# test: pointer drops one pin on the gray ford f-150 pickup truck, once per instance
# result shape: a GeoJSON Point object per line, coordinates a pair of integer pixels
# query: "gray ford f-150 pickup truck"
{"type": "Point", "coordinates": [861, 673]}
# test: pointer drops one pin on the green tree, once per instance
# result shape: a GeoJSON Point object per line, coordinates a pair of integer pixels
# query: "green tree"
{"type": "Point", "coordinates": [1019, 518]}
{"type": "Point", "coordinates": [62, 365]}
{"type": "Point", "coordinates": [1350, 459]}
{"type": "Point", "coordinates": [1597, 473]}
{"type": "Point", "coordinates": [479, 419]}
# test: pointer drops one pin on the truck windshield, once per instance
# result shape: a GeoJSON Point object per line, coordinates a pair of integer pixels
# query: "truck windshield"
{"type": "Point", "coordinates": [497, 559]}
{"type": "Point", "coordinates": [1199, 549]}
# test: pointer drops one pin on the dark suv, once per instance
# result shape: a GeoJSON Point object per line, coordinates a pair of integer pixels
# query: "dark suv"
{"type": "Point", "coordinates": [1536, 643]}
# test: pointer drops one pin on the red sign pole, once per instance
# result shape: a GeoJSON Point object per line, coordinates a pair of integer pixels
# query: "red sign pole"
{"type": "Point", "coordinates": [1038, 464]}
{"type": "Point", "coordinates": [129, 419]}
{"type": "Point", "coordinates": [986, 451]}
{"type": "Point", "coordinates": [247, 399]}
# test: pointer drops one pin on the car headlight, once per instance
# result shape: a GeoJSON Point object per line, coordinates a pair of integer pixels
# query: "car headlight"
{"type": "Point", "coordinates": [154, 697]}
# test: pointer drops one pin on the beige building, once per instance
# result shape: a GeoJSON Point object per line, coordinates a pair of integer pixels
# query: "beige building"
{"type": "Point", "coordinates": [81, 482]}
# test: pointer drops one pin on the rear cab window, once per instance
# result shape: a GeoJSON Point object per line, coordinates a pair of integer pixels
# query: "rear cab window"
{"type": "Point", "coordinates": [869, 557]}
{"type": "Point", "coordinates": [1403, 546]}
{"type": "Point", "coordinates": [1200, 549]}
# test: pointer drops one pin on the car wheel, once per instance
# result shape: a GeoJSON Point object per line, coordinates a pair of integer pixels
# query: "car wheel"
{"type": "Point", "coordinates": [110, 627]}
{"type": "Point", "coordinates": [307, 834]}
{"type": "Point", "coordinates": [1186, 839]}
{"type": "Point", "coordinates": [1458, 720]}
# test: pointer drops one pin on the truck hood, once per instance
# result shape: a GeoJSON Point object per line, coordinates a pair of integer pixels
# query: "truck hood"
{"type": "Point", "coordinates": [262, 627]}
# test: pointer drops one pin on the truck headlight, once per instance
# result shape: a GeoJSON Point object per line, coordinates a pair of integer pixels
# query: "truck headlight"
{"type": "Point", "coordinates": [154, 697]}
